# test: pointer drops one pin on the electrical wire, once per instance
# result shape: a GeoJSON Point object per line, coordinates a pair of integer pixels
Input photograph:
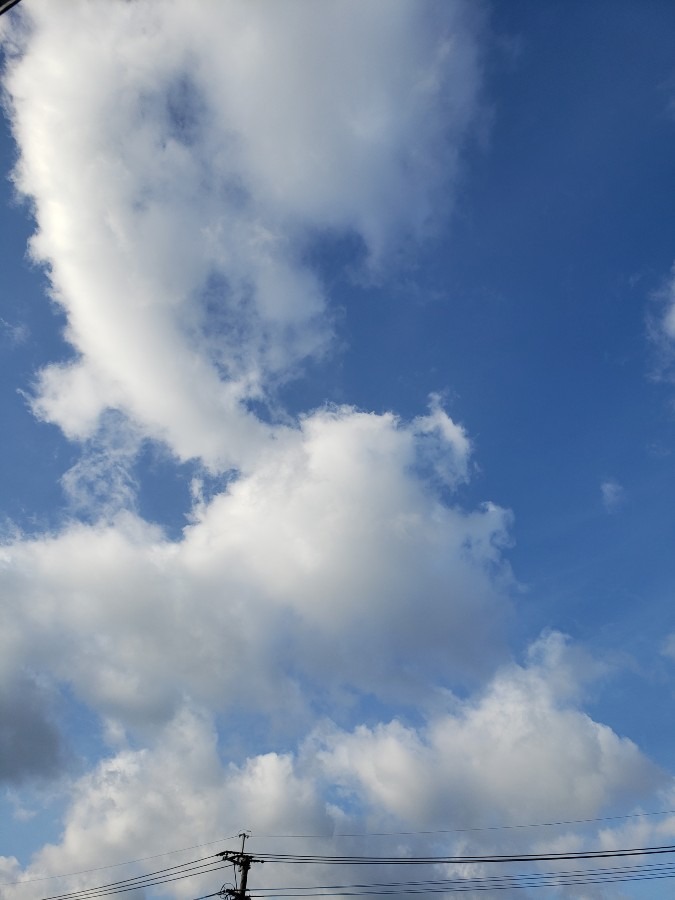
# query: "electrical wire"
{"type": "Point", "coordinates": [490, 882]}
{"type": "Point", "coordinates": [202, 866]}
{"type": "Point", "coordinates": [460, 860]}
{"type": "Point", "coordinates": [355, 834]}
{"type": "Point", "coordinates": [128, 862]}
{"type": "Point", "coordinates": [215, 862]}
{"type": "Point", "coordinates": [6, 5]}
{"type": "Point", "coordinates": [362, 834]}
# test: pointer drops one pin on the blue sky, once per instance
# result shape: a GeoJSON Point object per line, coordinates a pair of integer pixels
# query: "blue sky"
{"type": "Point", "coordinates": [337, 350]}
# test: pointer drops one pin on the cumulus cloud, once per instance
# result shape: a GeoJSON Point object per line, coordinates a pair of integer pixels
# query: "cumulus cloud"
{"type": "Point", "coordinates": [177, 191]}
{"type": "Point", "coordinates": [181, 167]}
{"type": "Point", "coordinates": [333, 563]}
{"type": "Point", "coordinates": [177, 188]}
{"type": "Point", "coordinates": [521, 751]}
{"type": "Point", "coordinates": [178, 788]}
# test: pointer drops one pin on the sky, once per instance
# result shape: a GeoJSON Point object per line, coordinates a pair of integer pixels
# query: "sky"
{"type": "Point", "coordinates": [338, 425]}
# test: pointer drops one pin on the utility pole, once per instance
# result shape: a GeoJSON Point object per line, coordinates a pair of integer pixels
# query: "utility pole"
{"type": "Point", "coordinates": [241, 861]}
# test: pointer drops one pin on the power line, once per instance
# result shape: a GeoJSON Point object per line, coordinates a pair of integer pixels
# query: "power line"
{"type": "Point", "coordinates": [530, 879]}
{"type": "Point", "coordinates": [498, 883]}
{"type": "Point", "coordinates": [307, 859]}
{"type": "Point", "coordinates": [355, 834]}
{"type": "Point", "coordinates": [403, 886]}
{"type": "Point", "coordinates": [359, 834]}
{"type": "Point", "coordinates": [128, 862]}
{"type": "Point", "coordinates": [216, 862]}
{"type": "Point", "coordinates": [6, 5]}
{"type": "Point", "coordinates": [161, 876]}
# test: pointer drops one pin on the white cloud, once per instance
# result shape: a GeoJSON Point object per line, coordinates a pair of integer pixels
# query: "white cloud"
{"type": "Point", "coordinates": [668, 647]}
{"type": "Point", "coordinates": [16, 334]}
{"type": "Point", "coordinates": [175, 794]}
{"type": "Point", "coordinates": [521, 752]}
{"type": "Point", "coordinates": [612, 495]}
{"type": "Point", "coordinates": [332, 561]}
{"type": "Point", "coordinates": [101, 484]}
{"type": "Point", "coordinates": [668, 316]}
{"type": "Point", "coordinates": [180, 164]}
{"type": "Point", "coordinates": [176, 187]}
{"type": "Point", "coordinates": [438, 433]}
{"type": "Point", "coordinates": [518, 753]}
{"type": "Point", "coordinates": [661, 328]}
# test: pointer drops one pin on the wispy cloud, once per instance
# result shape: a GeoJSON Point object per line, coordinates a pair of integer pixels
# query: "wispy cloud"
{"type": "Point", "coordinates": [16, 334]}
{"type": "Point", "coordinates": [613, 495]}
